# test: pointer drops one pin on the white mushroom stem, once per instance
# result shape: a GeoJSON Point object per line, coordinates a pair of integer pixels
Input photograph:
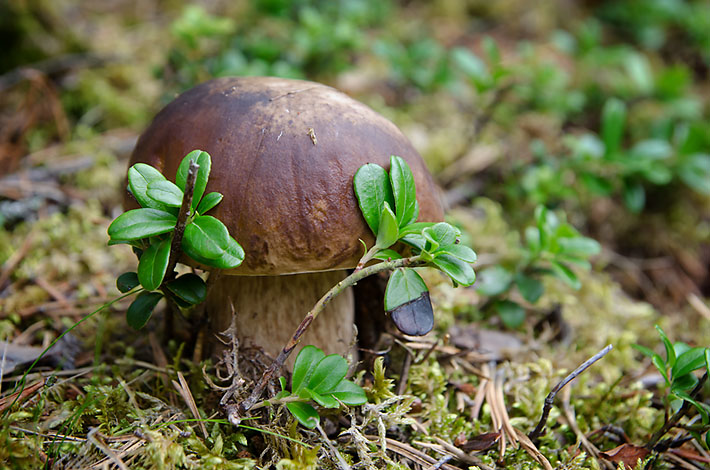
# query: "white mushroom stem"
{"type": "Point", "coordinates": [268, 310]}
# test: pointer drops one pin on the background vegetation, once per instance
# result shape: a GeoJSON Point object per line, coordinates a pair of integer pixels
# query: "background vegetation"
{"type": "Point", "coordinates": [543, 122]}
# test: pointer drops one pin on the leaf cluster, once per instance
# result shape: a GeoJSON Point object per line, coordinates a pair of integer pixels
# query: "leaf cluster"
{"type": "Point", "coordinates": [677, 369]}
{"type": "Point", "coordinates": [552, 248]}
{"type": "Point", "coordinates": [321, 379]}
{"type": "Point", "coordinates": [389, 205]}
{"type": "Point", "coordinates": [150, 230]}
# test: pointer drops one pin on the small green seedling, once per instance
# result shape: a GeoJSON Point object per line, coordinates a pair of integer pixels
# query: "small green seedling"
{"type": "Point", "coordinates": [171, 220]}
{"type": "Point", "coordinates": [321, 379]}
{"type": "Point", "coordinates": [678, 371]}
{"type": "Point", "coordinates": [389, 205]}
{"type": "Point", "coordinates": [552, 247]}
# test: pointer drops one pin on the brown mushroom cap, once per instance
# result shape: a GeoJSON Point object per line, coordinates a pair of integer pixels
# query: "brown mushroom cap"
{"type": "Point", "coordinates": [284, 153]}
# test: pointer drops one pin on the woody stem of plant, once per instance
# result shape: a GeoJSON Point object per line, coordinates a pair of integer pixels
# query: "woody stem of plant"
{"type": "Point", "coordinates": [336, 290]}
{"type": "Point", "coordinates": [685, 407]}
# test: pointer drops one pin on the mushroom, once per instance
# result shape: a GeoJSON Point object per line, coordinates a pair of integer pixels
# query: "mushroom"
{"type": "Point", "coordinates": [284, 153]}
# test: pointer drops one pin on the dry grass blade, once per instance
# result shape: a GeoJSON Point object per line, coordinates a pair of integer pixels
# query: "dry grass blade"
{"type": "Point", "coordinates": [21, 396]}
{"type": "Point", "coordinates": [96, 441]}
{"type": "Point", "coordinates": [460, 455]}
{"type": "Point", "coordinates": [531, 449]}
{"type": "Point", "coordinates": [409, 452]}
{"type": "Point", "coordinates": [586, 444]}
{"type": "Point", "coordinates": [184, 391]}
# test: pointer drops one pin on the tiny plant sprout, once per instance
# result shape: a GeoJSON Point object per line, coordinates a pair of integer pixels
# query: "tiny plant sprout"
{"type": "Point", "coordinates": [321, 379]}
{"type": "Point", "coordinates": [168, 222]}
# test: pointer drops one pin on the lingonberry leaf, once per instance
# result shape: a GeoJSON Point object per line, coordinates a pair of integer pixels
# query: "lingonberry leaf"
{"type": "Point", "coordinates": [206, 238]}
{"type": "Point", "coordinates": [141, 309]}
{"type": "Point", "coordinates": [372, 190]}
{"type": "Point", "coordinates": [404, 191]}
{"type": "Point", "coordinates": [209, 201]}
{"type": "Point", "coordinates": [140, 176]}
{"type": "Point", "coordinates": [126, 282]}
{"type": "Point", "coordinates": [153, 264]}
{"type": "Point", "coordinates": [388, 231]}
{"type": "Point", "coordinates": [349, 393]}
{"type": "Point", "coordinates": [459, 271]}
{"type": "Point", "coordinates": [304, 413]}
{"type": "Point", "coordinates": [141, 223]}
{"type": "Point", "coordinates": [205, 163]}
{"type": "Point", "coordinates": [304, 366]}
{"type": "Point", "coordinates": [165, 192]}
{"type": "Point", "coordinates": [189, 287]}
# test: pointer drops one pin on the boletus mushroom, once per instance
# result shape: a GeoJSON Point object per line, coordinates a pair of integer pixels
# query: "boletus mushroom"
{"type": "Point", "coordinates": [284, 153]}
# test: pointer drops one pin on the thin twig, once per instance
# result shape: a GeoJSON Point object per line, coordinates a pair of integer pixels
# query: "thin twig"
{"type": "Point", "coordinates": [175, 246]}
{"type": "Point", "coordinates": [673, 421]}
{"type": "Point", "coordinates": [351, 280]}
{"type": "Point", "coordinates": [551, 397]}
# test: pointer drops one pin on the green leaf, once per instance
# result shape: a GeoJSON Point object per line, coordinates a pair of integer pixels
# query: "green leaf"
{"type": "Point", "coordinates": [579, 246]}
{"type": "Point", "coordinates": [165, 192]}
{"type": "Point", "coordinates": [634, 196]}
{"type": "Point", "coordinates": [613, 123]}
{"type": "Point", "coordinates": [388, 231]}
{"type": "Point", "coordinates": [459, 251]}
{"type": "Point", "coordinates": [141, 223]}
{"type": "Point", "coordinates": [153, 264]}
{"type": "Point", "coordinates": [328, 373]}
{"type": "Point", "coordinates": [404, 285]}
{"type": "Point", "coordinates": [387, 254]}
{"type": "Point", "coordinates": [189, 287]}
{"type": "Point", "coordinates": [349, 393]}
{"type": "Point", "coordinates": [670, 349]}
{"type": "Point", "coordinates": [707, 359]}
{"type": "Point", "coordinates": [562, 272]}
{"type": "Point", "coordinates": [643, 350]}
{"type": "Point", "coordinates": [206, 238]}
{"type": "Point", "coordinates": [530, 288]}
{"type": "Point", "coordinates": [305, 364]}
{"type": "Point", "coordinates": [404, 190]}
{"type": "Point", "coordinates": [231, 258]}
{"type": "Point", "coordinates": [414, 228]}
{"type": "Point", "coordinates": [140, 176]}
{"type": "Point", "coordinates": [127, 282]}
{"type": "Point", "coordinates": [683, 382]}
{"type": "Point", "coordinates": [687, 362]}
{"type": "Point", "coordinates": [326, 401]}
{"type": "Point", "coordinates": [443, 233]}
{"type": "Point", "coordinates": [209, 201]}
{"type": "Point", "coordinates": [511, 314]}
{"type": "Point", "coordinates": [694, 170]}
{"type": "Point", "coordinates": [459, 271]}
{"type": "Point", "coordinates": [141, 309]}
{"type": "Point", "coordinates": [373, 190]}
{"type": "Point", "coordinates": [304, 413]}
{"type": "Point", "coordinates": [205, 162]}
{"type": "Point", "coordinates": [701, 407]}
{"type": "Point", "coordinates": [657, 361]}
{"type": "Point", "coordinates": [494, 281]}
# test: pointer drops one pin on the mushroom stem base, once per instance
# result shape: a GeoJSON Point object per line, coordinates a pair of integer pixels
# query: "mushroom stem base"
{"type": "Point", "coordinates": [268, 310]}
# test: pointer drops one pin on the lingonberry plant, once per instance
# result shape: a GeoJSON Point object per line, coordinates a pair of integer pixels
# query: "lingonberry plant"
{"type": "Point", "coordinates": [171, 220]}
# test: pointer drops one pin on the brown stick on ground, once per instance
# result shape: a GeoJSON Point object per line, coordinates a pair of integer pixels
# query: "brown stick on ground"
{"type": "Point", "coordinates": [551, 396]}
